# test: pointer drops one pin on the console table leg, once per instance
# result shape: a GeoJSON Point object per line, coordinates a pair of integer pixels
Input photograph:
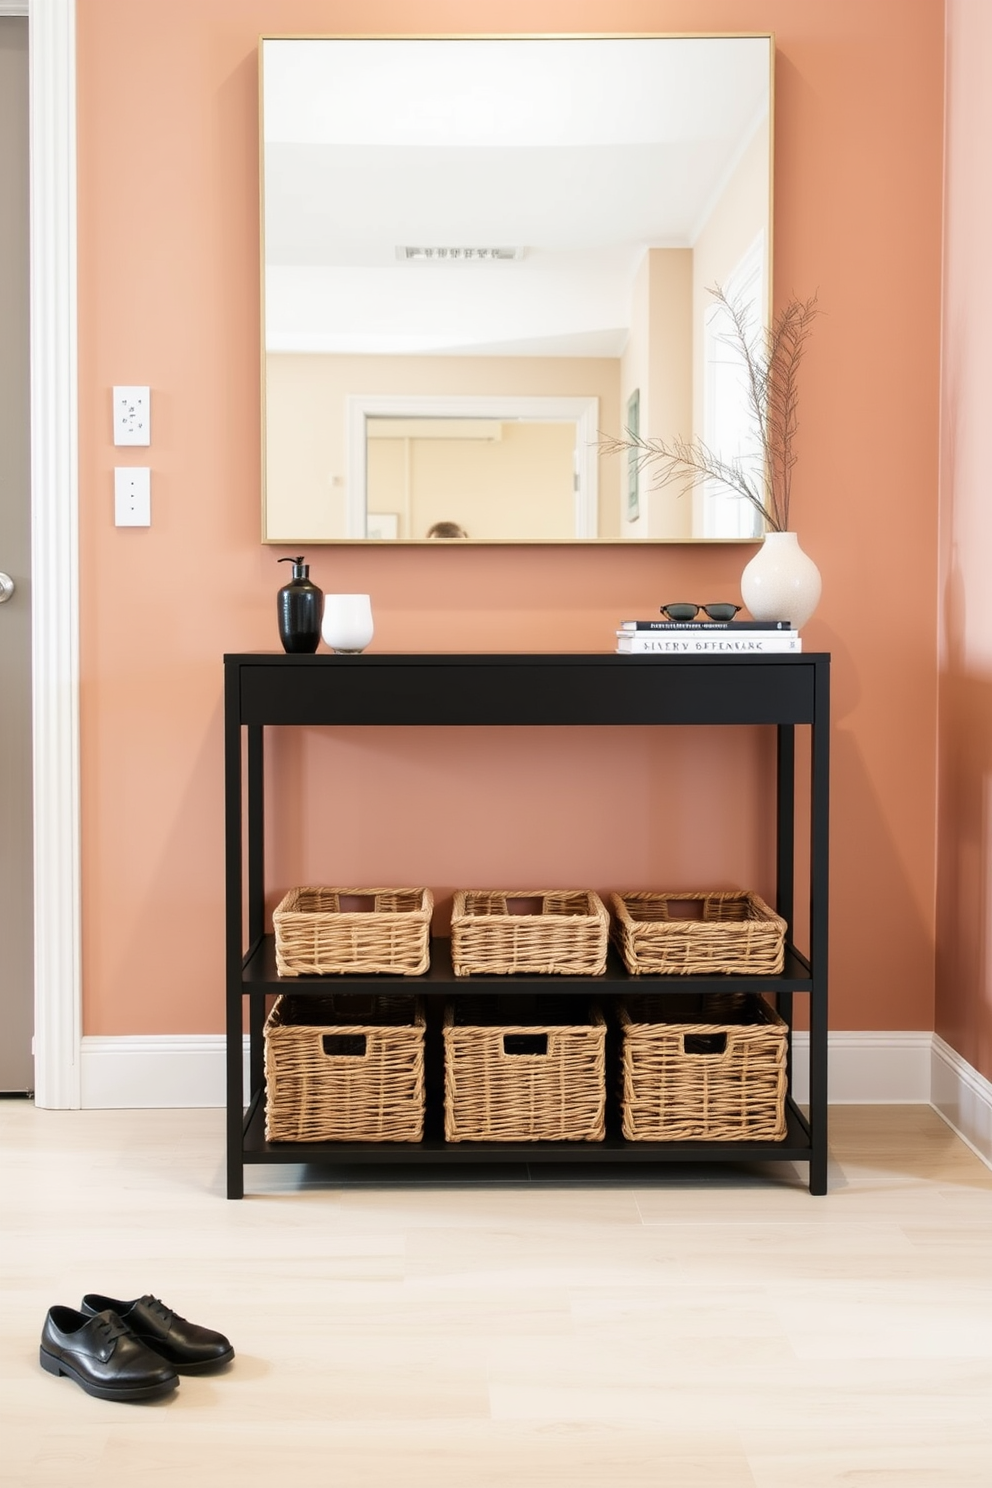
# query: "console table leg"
{"type": "Point", "coordinates": [234, 934]}
{"type": "Point", "coordinates": [785, 835]}
{"type": "Point", "coordinates": [819, 852]}
{"type": "Point", "coordinates": [235, 1098]}
{"type": "Point", "coordinates": [235, 1166]}
{"type": "Point", "coordinates": [818, 1175]}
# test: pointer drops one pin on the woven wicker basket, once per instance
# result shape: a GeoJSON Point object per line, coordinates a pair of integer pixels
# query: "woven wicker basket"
{"type": "Point", "coordinates": [708, 1069]}
{"type": "Point", "coordinates": [533, 1077]}
{"type": "Point", "coordinates": [695, 934]}
{"type": "Point", "coordinates": [322, 932]}
{"type": "Point", "coordinates": [344, 1069]}
{"type": "Point", "coordinates": [502, 931]}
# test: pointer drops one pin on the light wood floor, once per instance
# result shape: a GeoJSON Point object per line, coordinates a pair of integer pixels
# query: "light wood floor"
{"type": "Point", "coordinates": [716, 1327]}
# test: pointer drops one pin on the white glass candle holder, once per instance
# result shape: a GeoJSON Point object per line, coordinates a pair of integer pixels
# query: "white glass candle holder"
{"type": "Point", "coordinates": [347, 624]}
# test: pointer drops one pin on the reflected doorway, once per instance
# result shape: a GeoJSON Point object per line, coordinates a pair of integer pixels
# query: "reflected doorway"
{"type": "Point", "coordinates": [470, 478]}
{"type": "Point", "coordinates": [497, 469]}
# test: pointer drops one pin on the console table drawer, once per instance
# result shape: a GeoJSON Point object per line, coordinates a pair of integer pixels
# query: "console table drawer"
{"type": "Point", "coordinates": [494, 690]}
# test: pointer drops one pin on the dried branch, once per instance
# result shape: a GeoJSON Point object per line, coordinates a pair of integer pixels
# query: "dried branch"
{"type": "Point", "coordinates": [788, 341]}
{"type": "Point", "coordinates": [770, 362]}
{"type": "Point", "coordinates": [684, 463]}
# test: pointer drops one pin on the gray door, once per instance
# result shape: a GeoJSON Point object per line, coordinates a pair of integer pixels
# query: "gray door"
{"type": "Point", "coordinates": [16, 948]}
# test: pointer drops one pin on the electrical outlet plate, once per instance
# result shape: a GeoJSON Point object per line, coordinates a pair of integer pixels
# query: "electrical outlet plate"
{"type": "Point", "coordinates": [132, 496]}
{"type": "Point", "coordinates": [132, 415]}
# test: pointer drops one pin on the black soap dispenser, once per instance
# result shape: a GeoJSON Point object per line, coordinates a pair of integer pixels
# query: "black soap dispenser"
{"type": "Point", "coordinates": [300, 607]}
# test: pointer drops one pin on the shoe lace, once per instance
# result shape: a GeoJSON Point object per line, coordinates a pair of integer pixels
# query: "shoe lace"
{"type": "Point", "coordinates": [160, 1310]}
{"type": "Point", "coordinates": [110, 1326]}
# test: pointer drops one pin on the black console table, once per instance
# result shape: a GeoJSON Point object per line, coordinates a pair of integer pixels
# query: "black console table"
{"type": "Point", "coordinates": [784, 691]}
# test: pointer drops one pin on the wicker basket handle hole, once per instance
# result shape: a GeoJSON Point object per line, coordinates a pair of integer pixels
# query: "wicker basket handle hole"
{"type": "Point", "coordinates": [704, 1043]}
{"type": "Point", "coordinates": [351, 1045]}
{"type": "Point", "coordinates": [525, 1043]}
{"type": "Point", "coordinates": [356, 904]}
{"type": "Point", "coordinates": [686, 909]}
{"type": "Point", "coordinates": [524, 906]}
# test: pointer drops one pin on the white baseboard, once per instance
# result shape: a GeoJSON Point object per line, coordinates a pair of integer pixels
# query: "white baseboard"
{"type": "Point", "coordinates": [868, 1069]}
{"type": "Point", "coordinates": [188, 1070]}
{"type": "Point", "coordinates": [963, 1097]}
{"type": "Point", "coordinates": [159, 1070]}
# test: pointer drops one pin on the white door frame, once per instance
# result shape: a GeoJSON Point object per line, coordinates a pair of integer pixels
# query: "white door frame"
{"type": "Point", "coordinates": [582, 412]}
{"type": "Point", "coordinates": [54, 548]}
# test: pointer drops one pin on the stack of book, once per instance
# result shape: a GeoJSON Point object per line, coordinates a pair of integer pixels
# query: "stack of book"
{"type": "Point", "coordinates": [706, 637]}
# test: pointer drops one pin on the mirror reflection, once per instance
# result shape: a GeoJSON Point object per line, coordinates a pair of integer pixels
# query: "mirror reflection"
{"type": "Point", "coordinates": [478, 254]}
{"type": "Point", "coordinates": [469, 478]}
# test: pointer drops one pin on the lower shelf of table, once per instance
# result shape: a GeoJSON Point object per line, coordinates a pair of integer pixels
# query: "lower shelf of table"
{"type": "Point", "coordinates": [795, 1147]}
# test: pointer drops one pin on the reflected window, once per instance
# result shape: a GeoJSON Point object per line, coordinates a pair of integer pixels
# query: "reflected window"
{"type": "Point", "coordinates": [729, 424]}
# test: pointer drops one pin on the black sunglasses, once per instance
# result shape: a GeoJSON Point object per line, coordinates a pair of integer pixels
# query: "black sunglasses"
{"type": "Point", "coordinates": [690, 611]}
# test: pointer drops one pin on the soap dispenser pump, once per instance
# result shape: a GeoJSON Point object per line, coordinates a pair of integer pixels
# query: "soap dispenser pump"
{"type": "Point", "coordinates": [299, 605]}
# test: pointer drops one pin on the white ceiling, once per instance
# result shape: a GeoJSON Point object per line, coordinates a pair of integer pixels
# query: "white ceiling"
{"type": "Point", "coordinates": [583, 152]}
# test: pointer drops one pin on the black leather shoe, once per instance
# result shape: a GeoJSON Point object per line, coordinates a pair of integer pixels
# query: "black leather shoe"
{"type": "Point", "coordinates": [103, 1356]}
{"type": "Point", "coordinates": [187, 1347]}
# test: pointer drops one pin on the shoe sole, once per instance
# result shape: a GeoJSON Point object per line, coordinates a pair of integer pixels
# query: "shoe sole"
{"type": "Point", "coordinates": [202, 1366]}
{"type": "Point", "coordinates": [105, 1392]}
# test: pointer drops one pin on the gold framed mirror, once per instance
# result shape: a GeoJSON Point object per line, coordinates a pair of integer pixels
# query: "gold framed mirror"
{"type": "Point", "coordinates": [479, 253]}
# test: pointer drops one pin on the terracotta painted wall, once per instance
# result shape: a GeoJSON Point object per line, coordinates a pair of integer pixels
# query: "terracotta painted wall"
{"type": "Point", "coordinates": [964, 918]}
{"type": "Point", "coordinates": [168, 296]}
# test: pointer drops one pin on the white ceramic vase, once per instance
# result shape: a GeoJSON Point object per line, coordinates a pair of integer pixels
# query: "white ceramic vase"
{"type": "Point", "coordinates": [347, 624]}
{"type": "Point", "coordinates": [781, 582]}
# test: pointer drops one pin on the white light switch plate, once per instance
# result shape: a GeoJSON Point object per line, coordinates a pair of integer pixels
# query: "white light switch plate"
{"type": "Point", "coordinates": [132, 496]}
{"type": "Point", "coordinates": [132, 415]}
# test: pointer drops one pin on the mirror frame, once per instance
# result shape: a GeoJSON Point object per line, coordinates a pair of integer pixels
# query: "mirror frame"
{"type": "Point", "coordinates": [382, 401]}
